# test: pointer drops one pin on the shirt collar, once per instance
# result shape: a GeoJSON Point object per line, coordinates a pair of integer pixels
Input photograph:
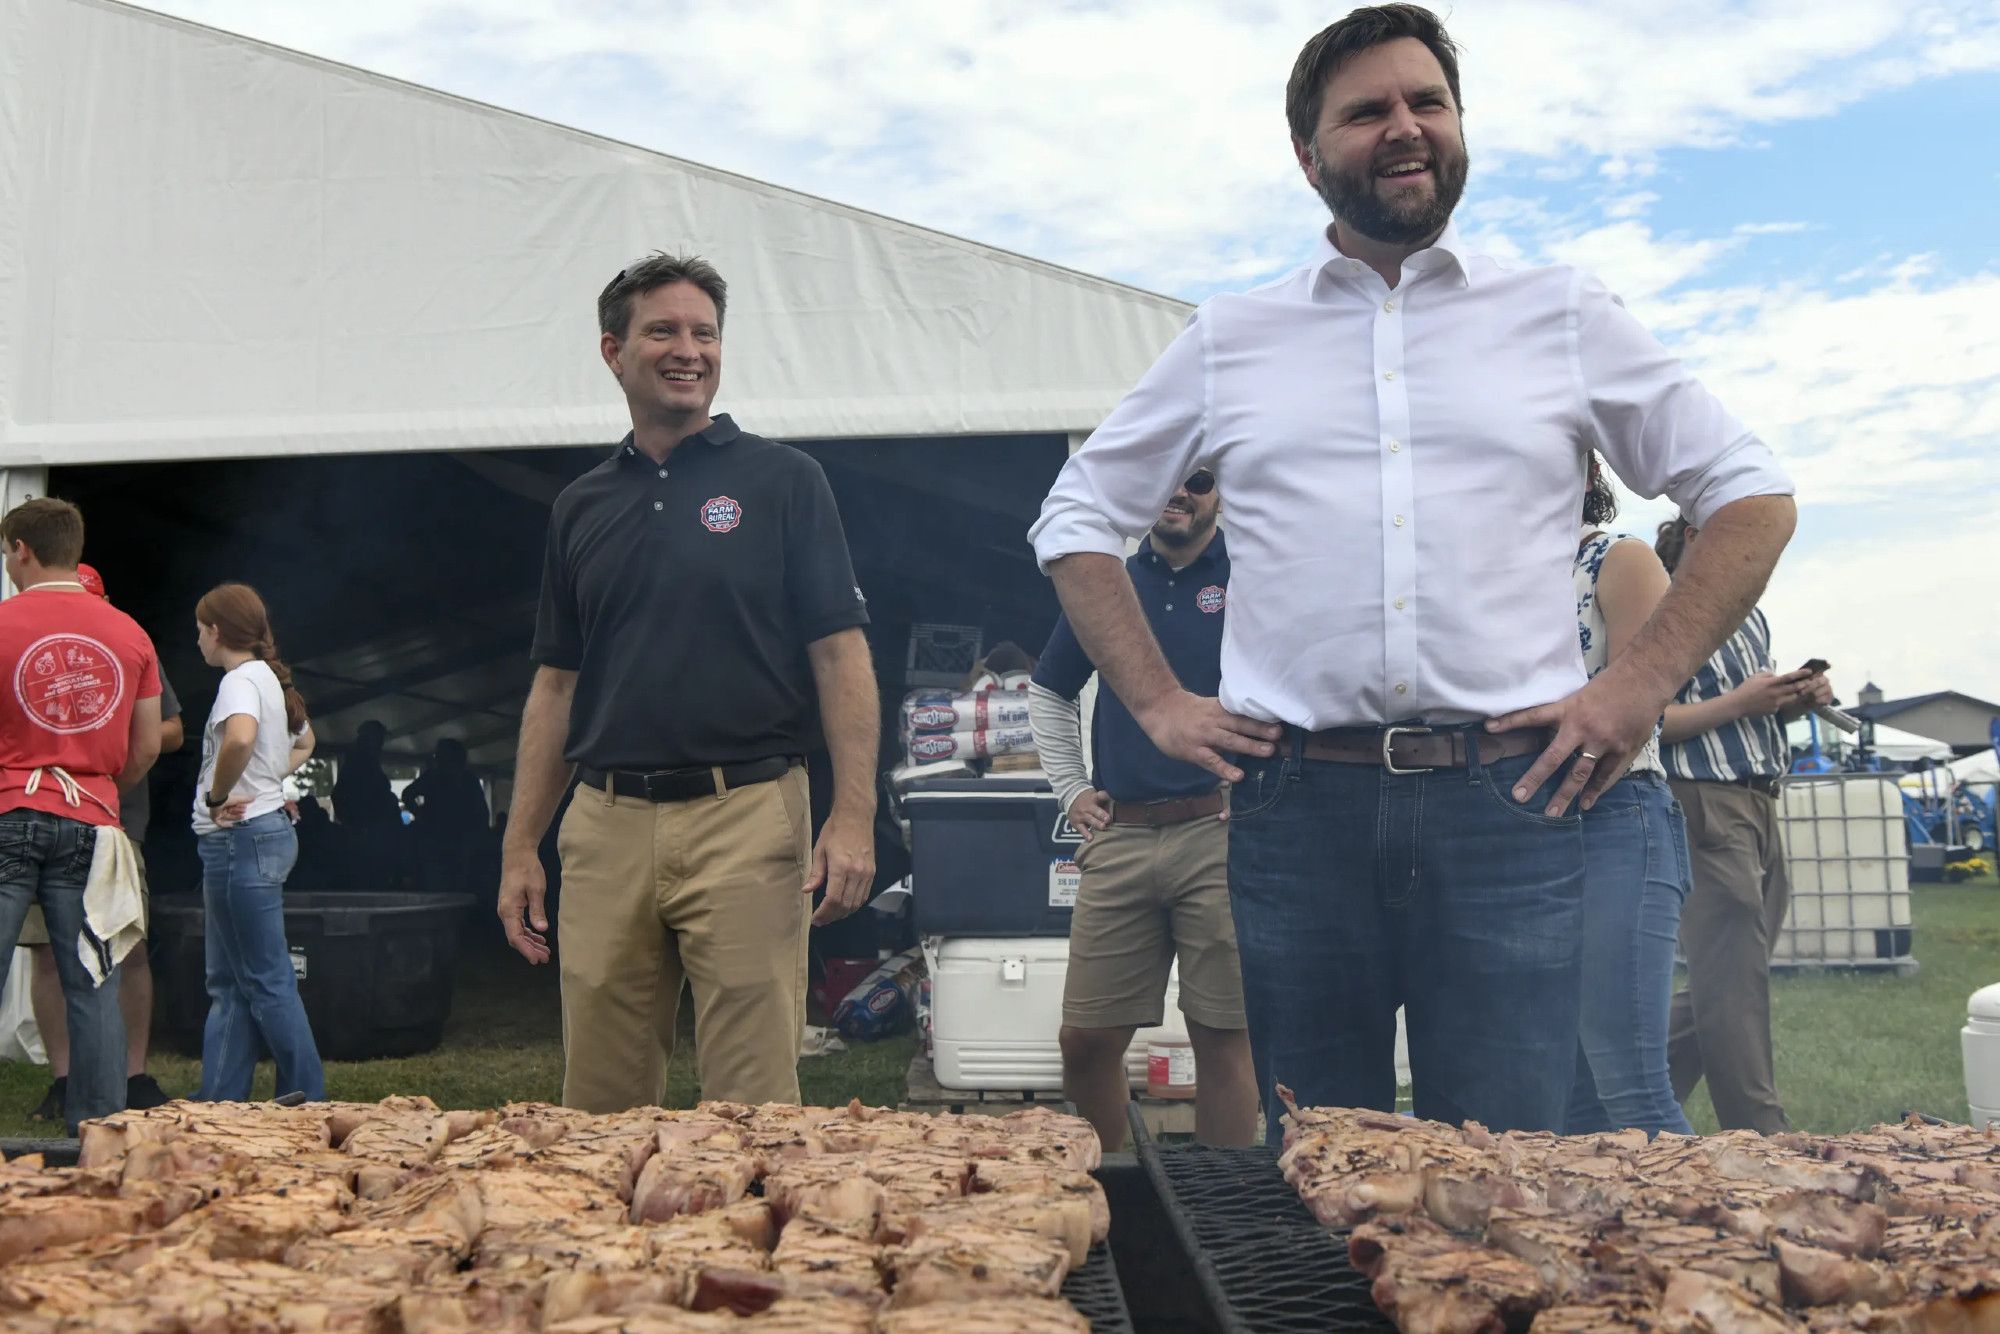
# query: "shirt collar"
{"type": "Point", "coordinates": [1448, 251]}
{"type": "Point", "coordinates": [1211, 556]}
{"type": "Point", "coordinates": [717, 433]}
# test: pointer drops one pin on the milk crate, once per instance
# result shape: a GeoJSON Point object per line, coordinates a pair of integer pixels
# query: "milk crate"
{"type": "Point", "coordinates": [942, 655]}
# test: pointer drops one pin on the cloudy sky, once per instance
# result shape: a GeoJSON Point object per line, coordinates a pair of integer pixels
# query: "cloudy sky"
{"type": "Point", "coordinates": [1799, 197]}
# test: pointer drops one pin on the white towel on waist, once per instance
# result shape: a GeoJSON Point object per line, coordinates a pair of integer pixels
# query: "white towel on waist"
{"type": "Point", "coordinates": [114, 904]}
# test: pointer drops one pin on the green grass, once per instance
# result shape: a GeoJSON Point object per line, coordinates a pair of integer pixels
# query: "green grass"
{"type": "Point", "coordinates": [504, 1042]}
{"type": "Point", "coordinates": [1853, 1048]}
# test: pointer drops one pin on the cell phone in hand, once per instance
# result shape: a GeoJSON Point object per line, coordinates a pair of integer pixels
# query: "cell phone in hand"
{"type": "Point", "coordinates": [1816, 666]}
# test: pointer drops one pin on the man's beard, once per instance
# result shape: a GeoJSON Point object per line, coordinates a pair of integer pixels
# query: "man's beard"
{"type": "Point", "coordinates": [1356, 204]}
{"type": "Point", "coordinates": [1196, 530]}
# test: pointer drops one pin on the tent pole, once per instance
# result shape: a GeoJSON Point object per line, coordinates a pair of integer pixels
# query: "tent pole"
{"type": "Point", "coordinates": [17, 485]}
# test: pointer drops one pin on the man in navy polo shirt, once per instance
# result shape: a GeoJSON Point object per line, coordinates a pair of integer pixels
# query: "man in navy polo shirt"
{"type": "Point", "coordinates": [1155, 859]}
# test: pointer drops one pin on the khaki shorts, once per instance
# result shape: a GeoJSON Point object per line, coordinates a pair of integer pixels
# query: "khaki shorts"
{"type": "Point", "coordinates": [1148, 895]}
{"type": "Point", "coordinates": [35, 931]}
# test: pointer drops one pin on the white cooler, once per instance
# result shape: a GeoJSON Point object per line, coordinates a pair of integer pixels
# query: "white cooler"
{"type": "Point", "coordinates": [996, 1007]}
{"type": "Point", "coordinates": [1979, 1041]}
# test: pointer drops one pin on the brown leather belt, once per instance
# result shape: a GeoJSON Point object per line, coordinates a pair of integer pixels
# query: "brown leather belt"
{"type": "Point", "coordinates": [1157, 814]}
{"type": "Point", "coordinates": [1409, 750]}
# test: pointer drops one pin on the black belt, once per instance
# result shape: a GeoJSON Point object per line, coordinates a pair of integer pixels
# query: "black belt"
{"type": "Point", "coordinates": [683, 784]}
{"type": "Point", "coordinates": [1768, 786]}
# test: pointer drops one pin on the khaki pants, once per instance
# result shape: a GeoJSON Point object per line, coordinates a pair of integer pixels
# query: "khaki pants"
{"type": "Point", "coordinates": [708, 891]}
{"type": "Point", "coordinates": [1146, 895]}
{"type": "Point", "coordinates": [1720, 1027]}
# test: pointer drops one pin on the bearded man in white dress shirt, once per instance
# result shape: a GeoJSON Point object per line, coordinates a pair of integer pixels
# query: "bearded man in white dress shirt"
{"type": "Point", "coordinates": [1403, 428]}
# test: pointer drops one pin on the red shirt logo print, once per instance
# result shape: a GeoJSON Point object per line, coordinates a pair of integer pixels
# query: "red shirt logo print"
{"type": "Point", "coordinates": [720, 514]}
{"type": "Point", "coordinates": [69, 683]}
{"type": "Point", "coordinates": [1211, 599]}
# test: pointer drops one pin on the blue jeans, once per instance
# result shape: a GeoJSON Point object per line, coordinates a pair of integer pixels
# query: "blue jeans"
{"type": "Point", "coordinates": [45, 859]}
{"type": "Point", "coordinates": [1636, 878]}
{"type": "Point", "coordinates": [1356, 890]}
{"type": "Point", "coordinates": [253, 996]}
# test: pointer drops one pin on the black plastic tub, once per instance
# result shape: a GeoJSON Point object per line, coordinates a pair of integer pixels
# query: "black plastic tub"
{"type": "Point", "coordinates": [375, 970]}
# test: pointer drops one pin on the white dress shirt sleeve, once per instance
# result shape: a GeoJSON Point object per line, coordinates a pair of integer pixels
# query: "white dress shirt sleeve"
{"type": "Point", "coordinates": [1661, 431]}
{"type": "Point", "coordinates": [1115, 486]}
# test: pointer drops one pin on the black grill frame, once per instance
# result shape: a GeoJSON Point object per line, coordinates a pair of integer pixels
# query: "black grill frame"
{"type": "Point", "coordinates": [1264, 1263]}
{"type": "Point", "coordinates": [1093, 1289]}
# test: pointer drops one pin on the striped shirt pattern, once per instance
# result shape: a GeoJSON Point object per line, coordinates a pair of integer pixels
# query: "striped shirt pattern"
{"type": "Point", "coordinates": [1748, 747]}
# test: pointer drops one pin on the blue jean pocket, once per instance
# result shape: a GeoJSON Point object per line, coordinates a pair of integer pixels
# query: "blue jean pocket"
{"type": "Point", "coordinates": [275, 852]}
{"type": "Point", "coordinates": [1264, 783]}
{"type": "Point", "coordinates": [1499, 788]}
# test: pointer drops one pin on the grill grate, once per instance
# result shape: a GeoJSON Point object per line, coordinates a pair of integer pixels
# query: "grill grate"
{"type": "Point", "coordinates": [1093, 1290]}
{"type": "Point", "coordinates": [1264, 1262]}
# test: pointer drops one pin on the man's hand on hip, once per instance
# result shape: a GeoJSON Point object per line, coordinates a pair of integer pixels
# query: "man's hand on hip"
{"type": "Point", "coordinates": [523, 887]}
{"type": "Point", "coordinates": [1599, 730]}
{"type": "Point", "coordinates": [844, 862]}
{"type": "Point", "coordinates": [1090, 812]}
{"type": "Point", "coordinates": [1196, 728]}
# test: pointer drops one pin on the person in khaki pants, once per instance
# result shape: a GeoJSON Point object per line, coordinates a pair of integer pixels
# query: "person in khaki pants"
{"type": "Point", "coordinates": [1723, 745]}
{"type": "Point", "coordinates": [699, 627]}
{"type": "Point", "coordinates": [1155, 859]}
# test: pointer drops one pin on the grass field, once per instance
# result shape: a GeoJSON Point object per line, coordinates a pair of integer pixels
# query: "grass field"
{"type": "Point", "coordinates": [1853, 1048]}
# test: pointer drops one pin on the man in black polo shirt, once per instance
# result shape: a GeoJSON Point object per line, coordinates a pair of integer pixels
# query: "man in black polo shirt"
{"type": "Point", "coordinates": [1155, 860]}
{"type": "Point", "coordinates": [697, 603]}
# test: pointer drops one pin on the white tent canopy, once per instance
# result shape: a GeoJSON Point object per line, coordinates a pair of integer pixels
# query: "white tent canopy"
{"type": "Point", "coordinates": [213, 248]}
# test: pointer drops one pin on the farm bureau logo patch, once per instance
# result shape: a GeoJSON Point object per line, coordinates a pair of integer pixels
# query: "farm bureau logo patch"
{"type": "Point", "coordinates": [1211, 599]}
{"type": "Point", "coordinates": [69, 683]}
{"type": "Point", "coordinates": [721, 514]}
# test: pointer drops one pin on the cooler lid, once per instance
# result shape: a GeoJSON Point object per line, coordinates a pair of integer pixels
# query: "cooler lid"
{"type": "Point", "coordinates": [999, 785]}
{"type": "Point", "coordinates": [1985, 1003]}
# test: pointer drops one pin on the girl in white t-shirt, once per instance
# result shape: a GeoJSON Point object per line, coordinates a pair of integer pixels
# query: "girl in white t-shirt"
{"type": "Point", "coordinates": [257, 734]}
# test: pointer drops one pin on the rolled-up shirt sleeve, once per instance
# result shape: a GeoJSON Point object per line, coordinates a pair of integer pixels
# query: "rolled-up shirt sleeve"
{"type": "Point", "coordinates": [1657, 426]}
{"type": "Point", "coordinates": [1115, 486]}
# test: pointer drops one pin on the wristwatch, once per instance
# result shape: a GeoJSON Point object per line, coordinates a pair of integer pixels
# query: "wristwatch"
{"type": "Point", "coordinates": [213, 801]}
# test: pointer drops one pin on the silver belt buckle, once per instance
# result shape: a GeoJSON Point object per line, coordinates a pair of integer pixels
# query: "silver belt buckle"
{"type": "Point", "coordinates": [1389, 739]}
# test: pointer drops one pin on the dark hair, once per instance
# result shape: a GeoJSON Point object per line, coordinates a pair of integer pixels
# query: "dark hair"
{"type": "Point", "coordinates": [51, 528]}
{"type": "Point", "coordinates": [1600, 501]}
{"type": "Point", "coordinates": [242, 623]}
{"type": "Point", "coordinates": [1373, 25]}
{"type": "Point", "coordinates": [614, 303]}
{"type": "Point", "coordinates": [450, 750]}
{"type": "Point", "coordinates": [1670, 542]}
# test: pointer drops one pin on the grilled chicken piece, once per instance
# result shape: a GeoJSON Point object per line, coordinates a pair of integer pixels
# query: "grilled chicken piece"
{"type": "Point", "coordinates": [396, 1258]}
{"type": "Point", "coordinates": [1455, 1292]}
{"type": "Point", "coordinates": [579, 1293]}
{"type": "Point", "coordinates": [829, 1188]}
{"type": "Point", "coordinates": [488, 1146]}
{"type": "Point", "coordinates": [968, 1261]}
{"type": "Point", "coordinates": [1743, 1156]}
{"type": "Point", "coordinates": [610, 1151]}
{"type": "Point", "coordinates": [262, 1225]}
{"type": "Point", "coordinates": [251, 1295]}
{"type": "Point", "coordinates": [344, 1118]}
{"type": "Point", "coordinates": [821, 1257]}
{"type": "Point", "coordinates": [1034, 1179]}
{"type": "Point", "coordinates": [404, 1141]}
{"type": "Point", "coordinates": [442, 1202]}
{"type": "Point", "coordinates": [540, 1123]}
{"type": "Point", "coordinates": [1554, 1244]}
{"type": "Point", "coordinates": [1700, 1302]}
{"type": "Point", "coordinates": [473, 1301]}
{"type": "Point", "coordinates": [1845, 1226]}
{"type": "Point", "coordinates": [1013, 1315]}
{"type": "Point", "coordinates": [1620, 1311]}
{"type": "Point", "coordinates": [1067, 1217]}
{"type": "Point", "coordinates": [686, 1180]}
{"type": "Point", "coordinates": [1809, 1276]}
{"type": "Point", "coordinates": [519, 1196]}
{"type": "Point", "coordinates": [556, 1244]}
{"type": "Point", "coordinates": [1461, 1198]}
{"type": "Point", "coordinates": [1086, 1154]}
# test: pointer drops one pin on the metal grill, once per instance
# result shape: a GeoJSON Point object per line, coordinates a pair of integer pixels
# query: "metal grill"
{"type": "Point", "coordinates": [55, 1152]}
{"type": "Point", "coordinates": [1264, 1262]}
{"type": "Point", "coordinates": [1093, 1290]}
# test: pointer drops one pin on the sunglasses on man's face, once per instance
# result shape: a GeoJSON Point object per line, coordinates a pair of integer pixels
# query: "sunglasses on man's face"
{"type": "Point", "coordinates": [1200, 484]}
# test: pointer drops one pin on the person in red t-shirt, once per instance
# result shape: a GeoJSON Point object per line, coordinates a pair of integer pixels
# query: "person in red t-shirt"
{"type": "Point", "coordinates": [79, 722]}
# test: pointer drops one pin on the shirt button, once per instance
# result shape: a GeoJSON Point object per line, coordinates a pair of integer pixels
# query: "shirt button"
{"type": "Point", "coordinates": [1399, 604]}
{"type": "Point", "coordinates": [658, 505]}
{"type": "Point", "coordinates": [663, 472]}
{"type": "Point", "coordinates": [1402, 687]}
{"type": "Point", "coordinates": [1395, 446]}
{"type": "Point", "coordinates": [1388, 375]}
{"type": "Point", "coordinates": [1399, 521]}
{"type": "Point", "coordinates": [1390, 305]}
{"type": "Point", "coordinates": [1170, 606]}
{"type": "Point", "coordinates": [1170, 583]}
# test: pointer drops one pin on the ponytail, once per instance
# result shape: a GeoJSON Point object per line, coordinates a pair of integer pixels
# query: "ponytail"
{"type": "Point", "coordinates": [1671, 542]}
{"type": "Point", "coordinates": [295, 703]}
